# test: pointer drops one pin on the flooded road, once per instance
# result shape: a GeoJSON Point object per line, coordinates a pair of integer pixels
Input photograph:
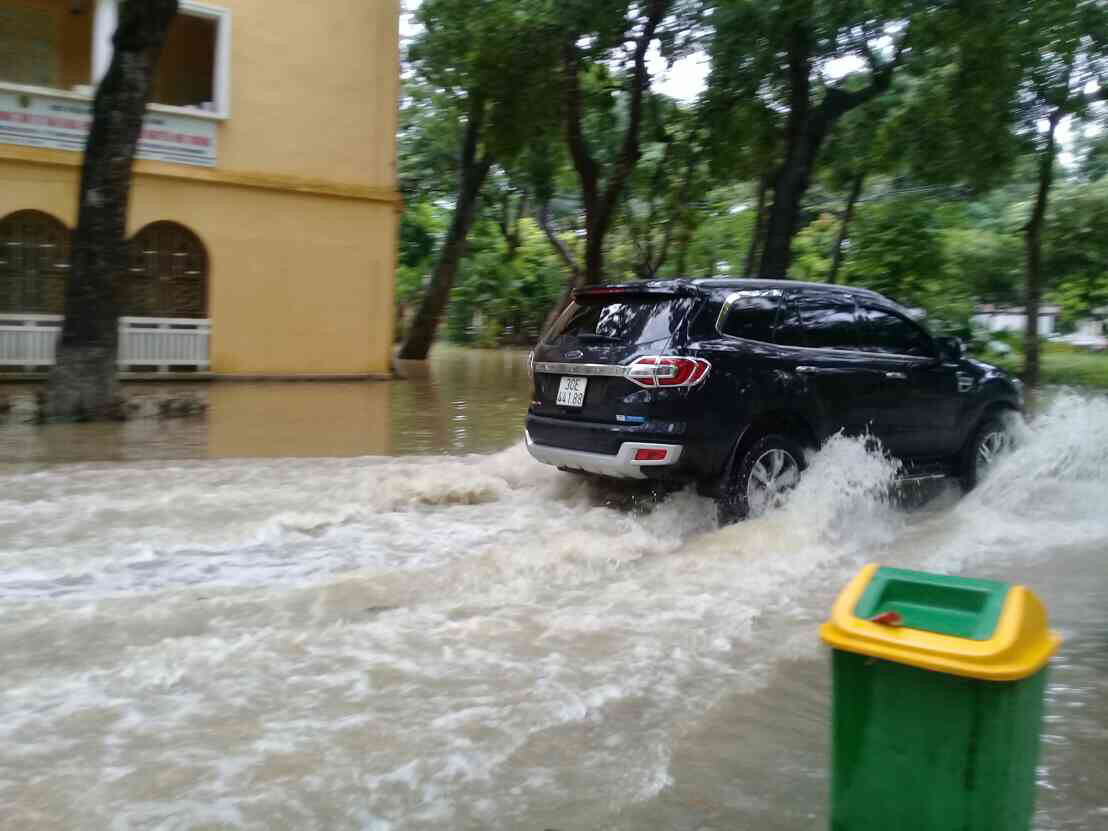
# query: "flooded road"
{"type": "Point", "coordinates": [466, 401]}
{"type": "Point", "coordinates": [394, 639]}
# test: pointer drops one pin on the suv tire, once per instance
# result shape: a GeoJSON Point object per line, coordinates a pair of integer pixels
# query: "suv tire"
{"type": "Point", "coordinates": [767, 471]}
{"type": "Point", "coordinates": [991, 439]}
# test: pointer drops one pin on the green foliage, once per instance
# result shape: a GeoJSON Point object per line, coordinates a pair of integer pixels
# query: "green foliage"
{"type": "Point", "coordinates": [419, 229]}
{"type": "Point", "coordinates": [428, 137]}
{"type": "Point", "coordinates": [464, 52]}
{"type": "Point", "coordinates": [665, 197]}
{"type": "Point", "coordinates": [952, 123]}
{"type": "Point", "coordinates": [498, 300]}
{"type": "Point", "coordinates": [1062, 364]}
{"type": "Point", "coordinates": [1076, 249]}
{"type": "Point", "coordinates": [1094, 163]}
{"type": "Point", "coordinates": [812, 248]}
{"type": "Point", "coordinates": [896, 248]}
{"type": "Point", "coordinates": [717, 247]}
{"type": "Point", "coordinates": [962, 117]}
{"type": "Point", "coordinates": [989, 263]}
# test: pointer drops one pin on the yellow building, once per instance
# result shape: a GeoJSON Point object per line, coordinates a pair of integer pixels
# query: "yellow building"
{"type": "Point", "coordinates": [264, 203]}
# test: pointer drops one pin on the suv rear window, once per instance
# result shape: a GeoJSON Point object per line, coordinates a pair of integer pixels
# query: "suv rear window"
{"type": "Point", "coordinates": [623, 319]}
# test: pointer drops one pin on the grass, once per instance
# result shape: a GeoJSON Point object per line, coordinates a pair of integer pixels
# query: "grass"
{"type": "Point", "coordinates": [1060, 364]}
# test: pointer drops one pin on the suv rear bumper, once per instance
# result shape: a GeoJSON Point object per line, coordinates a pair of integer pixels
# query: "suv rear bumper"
{"type": "Point", "coordinates": [622, 465]}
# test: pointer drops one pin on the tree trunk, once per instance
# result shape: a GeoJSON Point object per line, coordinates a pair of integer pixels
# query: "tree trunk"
{"type": "Point", "coordinates": [421, 331]}
{"type": "Point", "coordinates": [791, 180]}
{"type": "Point", "coordinates": [600, 203]}
{"type": "Point", "coordinates": [82, 384]}
{"type": "Point", "coordinates": [759, 228]}
{"type": "Point", "coordinates": [1033, 243]}
{"type": "Point", "coordinates": [805, 131]}
{"type": "Point", "coordinates": [844, 228]}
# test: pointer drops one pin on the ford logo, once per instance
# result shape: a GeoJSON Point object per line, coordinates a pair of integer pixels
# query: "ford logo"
{"type": "Point", "coordinates": [573, 355]}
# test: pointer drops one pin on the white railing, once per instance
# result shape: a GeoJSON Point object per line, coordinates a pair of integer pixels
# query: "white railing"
{"type": "Point", "coordinates": [27, 340]}
{"type": "Point", "coordinates": [164, 342]}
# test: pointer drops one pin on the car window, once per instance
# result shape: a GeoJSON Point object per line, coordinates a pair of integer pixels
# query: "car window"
{"type": "Point", "coordinates": [626, 319]}
{"type": "Point", "coordinates": [888, 332]}
{"type": "Point", "coordinates": [751, 315]}
{"type": "Point", "coordinates": [828, 321]}
{"type": "Point", "coordinates": [789, 332]}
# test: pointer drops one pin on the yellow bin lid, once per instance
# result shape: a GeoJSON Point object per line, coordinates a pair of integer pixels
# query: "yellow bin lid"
{"type": "Point", "coordinates": [961, 626]}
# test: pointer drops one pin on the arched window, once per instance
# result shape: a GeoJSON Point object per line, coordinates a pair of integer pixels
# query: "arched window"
{"type": "Point", "coordinates": [34, 261]}
{"type": "Point", "coordinates": [167, 273]}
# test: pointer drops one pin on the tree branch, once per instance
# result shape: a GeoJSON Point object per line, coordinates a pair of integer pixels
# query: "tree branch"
{"type": "Point", "coordinates": [563, 251]}
{"type": "Point", "coordinates": [579, 149]}
{"type": "Point", "coordinates": [839, 101]}
{"type": "Point", "coordinates": [630, 151]}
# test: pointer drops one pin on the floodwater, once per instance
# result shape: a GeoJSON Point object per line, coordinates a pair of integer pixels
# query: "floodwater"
{"type": "Point", "coordinates": [438, 632]}
{"type": "Point", "coordinates": [467, 401]}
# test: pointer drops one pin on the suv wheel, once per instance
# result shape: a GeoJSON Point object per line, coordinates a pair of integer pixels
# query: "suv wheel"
{"type": "Point", "coordinates": [767, 472]}
{"type": "Point", "coordinates": [992, 440]}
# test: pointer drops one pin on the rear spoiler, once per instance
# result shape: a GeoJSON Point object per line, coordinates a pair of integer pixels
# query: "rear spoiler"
{"type": "Point", "coordinates": [649, 289]}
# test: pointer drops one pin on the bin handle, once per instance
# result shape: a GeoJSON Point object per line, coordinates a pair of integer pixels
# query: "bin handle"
{"type": "Point", "coordinates": [887, 619]}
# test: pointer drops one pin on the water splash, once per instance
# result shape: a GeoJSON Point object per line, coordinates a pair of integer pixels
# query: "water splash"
{"type": "Point", "coordinates": [1048, 490]}
{"type": "Point", "coordinates": [472, 641]}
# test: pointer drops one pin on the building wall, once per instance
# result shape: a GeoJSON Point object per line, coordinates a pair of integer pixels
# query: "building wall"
{"type": "Point", "coordinates": [299, 283]}
{"type": "Point", "coordinates": [314, 92]}
{"type": "Point", "coordinates": [299, 215]}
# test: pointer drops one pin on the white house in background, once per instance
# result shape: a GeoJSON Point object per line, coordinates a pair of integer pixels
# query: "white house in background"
{"type": "Point", "coordinates": [1095, 324]}
{"type": "Point", "coordinates": [1091, 332]}
{"type": "Point", "coordinates": [1014, 318]}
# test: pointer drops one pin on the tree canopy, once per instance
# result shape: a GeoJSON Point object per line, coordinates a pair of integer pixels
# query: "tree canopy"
{"type": "Point", "coordinates": [909, 145]}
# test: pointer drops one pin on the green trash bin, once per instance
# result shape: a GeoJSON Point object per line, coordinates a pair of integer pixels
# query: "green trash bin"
{"type": "Point", "coordinates": [937, 686]}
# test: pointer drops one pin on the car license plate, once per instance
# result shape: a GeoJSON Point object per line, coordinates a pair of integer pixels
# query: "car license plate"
{"type": "Point", "coordinates": [571, 391]}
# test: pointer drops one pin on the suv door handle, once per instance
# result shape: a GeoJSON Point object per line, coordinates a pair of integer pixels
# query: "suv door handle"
{"type": "Point", "coordinates": [898, 376]}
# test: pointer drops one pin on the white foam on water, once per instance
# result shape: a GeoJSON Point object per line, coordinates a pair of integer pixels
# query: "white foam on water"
{"type": "Point", "coordinates": [410, 643]}
{"type": "Point", "coordinates": [1048, 492]}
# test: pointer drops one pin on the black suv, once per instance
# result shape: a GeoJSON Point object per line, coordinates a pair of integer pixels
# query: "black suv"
{"type": "Point", "coordinates": [724, 382]}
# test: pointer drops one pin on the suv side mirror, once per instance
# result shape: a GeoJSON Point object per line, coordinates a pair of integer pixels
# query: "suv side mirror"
{"type": "Point", "coordinates": [950, 349]}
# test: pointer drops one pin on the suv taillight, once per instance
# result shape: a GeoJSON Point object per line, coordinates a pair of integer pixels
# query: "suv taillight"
{"type": "Point", "coordinates": [667, 371]}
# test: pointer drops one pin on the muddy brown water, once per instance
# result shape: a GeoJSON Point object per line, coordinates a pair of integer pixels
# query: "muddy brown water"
{"type": "Point", "coordinates": [363, 606]}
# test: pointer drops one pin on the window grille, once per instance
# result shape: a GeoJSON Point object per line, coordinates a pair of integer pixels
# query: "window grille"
{"type": "Point", "coordinates": [34, 261]}
{"type": "Point", "coordinates": [167, 273]}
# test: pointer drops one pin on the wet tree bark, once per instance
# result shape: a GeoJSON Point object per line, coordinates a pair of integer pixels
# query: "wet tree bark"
{"type": "Point", "coordinates": [759, 228]}
{"type": "Point", "coordinates": [806, 128]}
{"type": "Point", "coordinates": [471, 176]}
{"type": "Point", "coordinates": [844, 228]}
{"type": "Point", "coordinates": [600, 200]}
{"type": "Point", "coordinates": [82, 384]}
{"type": "Point", "coordinates": [1034, 251]}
